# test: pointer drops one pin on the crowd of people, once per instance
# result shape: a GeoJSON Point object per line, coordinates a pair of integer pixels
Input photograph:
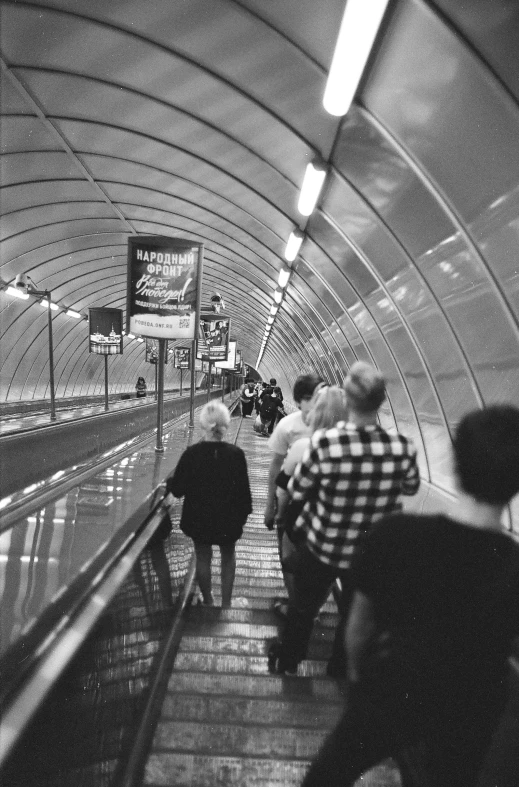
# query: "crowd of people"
{"type": "Point", "coordinates": [266, 399]}
{"type": "Point", "coordinates": [428, 604]}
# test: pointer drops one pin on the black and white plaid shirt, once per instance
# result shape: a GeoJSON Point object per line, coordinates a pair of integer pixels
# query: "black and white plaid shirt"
{"type": "Point", "coordinates": [349, 477]}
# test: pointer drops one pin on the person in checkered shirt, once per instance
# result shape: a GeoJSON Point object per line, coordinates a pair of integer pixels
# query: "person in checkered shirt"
{"type": "Point", "coordinates": [350, 476]}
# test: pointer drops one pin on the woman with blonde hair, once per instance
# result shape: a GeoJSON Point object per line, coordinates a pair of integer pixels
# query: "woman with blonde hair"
{"type": "Point", "coordinates": [212, 478]}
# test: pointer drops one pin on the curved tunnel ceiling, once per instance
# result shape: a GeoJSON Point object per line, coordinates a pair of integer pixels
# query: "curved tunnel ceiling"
{"type": "Point", "coordinates": [197, 119]}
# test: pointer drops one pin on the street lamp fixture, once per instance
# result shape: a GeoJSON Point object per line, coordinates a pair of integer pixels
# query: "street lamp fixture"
{"type": "Point", "coordinates": [24, 287]}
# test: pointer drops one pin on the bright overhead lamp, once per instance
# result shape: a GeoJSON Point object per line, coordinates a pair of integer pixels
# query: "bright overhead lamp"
{"type": "Point", "coordinates": [294, 242]}
{"type": "Point", "coordinates": [44, 302]}
{"type": "Point", "coordinates": [270, 320]}
{"type": "Point", "coordinates": [357, 32]}
{"type": "Point", "coordinates": [311, 188]}
{"type": "Point", "coordinates": [72, 313]}
{"type": "Point", "coordinates": [274, 309]}
{"type": "Point", "coordinates": [131, 336]}
{"type": "Point", "coordinates": [278, 296]}
{"type": "Point", "coordinates": [140, 339]}
{"type": "Point", "coordinates": [284, 276]}
{"type": "Point", "coordinates": [17, 293]}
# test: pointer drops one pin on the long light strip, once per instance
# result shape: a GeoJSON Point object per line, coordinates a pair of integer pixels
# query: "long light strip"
{"type": "Point", "coordinates": [74, 314]}
{"type": "Point", "coordinates": [53, 306]}
{"type": "Point", "coordinates": [357, 32]}
{"type": "Point", "coordinates": [311, 188]}
{"type": "Point", "coordinates": [294, 242]}
{"type": "Point", "coordinates": [17, 293]}
{"type": "Point", "coordinates": [284, 276]}
{"type": "Point", "coordinates": [278, 296]}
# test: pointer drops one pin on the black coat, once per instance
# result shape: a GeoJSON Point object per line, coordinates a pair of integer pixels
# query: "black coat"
{"type": "Point", "coordinates": [212, 478]}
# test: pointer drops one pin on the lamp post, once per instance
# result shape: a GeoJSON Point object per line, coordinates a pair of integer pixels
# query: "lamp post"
{"type": "Point", "coordinates": [25, 285]}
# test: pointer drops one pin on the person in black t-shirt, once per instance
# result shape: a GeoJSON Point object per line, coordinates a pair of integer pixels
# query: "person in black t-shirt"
{"type": "Point", "coordinates": [212, 478]}
{"type": "Point", "coordinates": [432, 625]}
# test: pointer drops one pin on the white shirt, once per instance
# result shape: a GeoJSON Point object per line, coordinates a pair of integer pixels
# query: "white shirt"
{"type": "Point", "coordinates": [287, 431]}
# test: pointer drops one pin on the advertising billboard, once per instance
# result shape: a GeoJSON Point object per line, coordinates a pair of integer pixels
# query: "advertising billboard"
{"type": "Point", "coordinates": [230, 363]}
{"type": "Point", "coordinates": [164, 280]}
{"type": "Point", "coordinates": [152, 351]}
{"type": "Point", "coordinates": [105, 331]}
{"type": "Point", "coordinates": [214, 344]}
{"type": "Point", "coordinates": [182, 357]}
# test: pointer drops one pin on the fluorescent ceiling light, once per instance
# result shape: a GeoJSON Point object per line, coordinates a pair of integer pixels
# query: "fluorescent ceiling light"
{"type": "Point", "coordinates": [294, 242]}
{"type": "Point", "coordinates": [312, 185]}
{"type": "Point", "coordinates": [140, 339]}
{"type": "Point", "coordinates": [357, 33]}
{"type": "Point", "coordinates": [278, 295]}
{"type": "Point", "coordinates": [274, 309]}
{"type": "Point", "coordinates": [53, 306]}
{"type": "Point", "coordinates": [270, 320]}
{"type": "Point", "coordinates": [131, 336]}
{"type": "Point", "coordinates": [18, 293]}
{"type": "Point", "coordinates": [72, 313]}
{"type": "Point", "coordinates": [284, 276]}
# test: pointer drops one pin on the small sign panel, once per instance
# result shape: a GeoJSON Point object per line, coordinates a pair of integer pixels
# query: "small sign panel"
{"type": "Point", "coordinates": [105, 331]}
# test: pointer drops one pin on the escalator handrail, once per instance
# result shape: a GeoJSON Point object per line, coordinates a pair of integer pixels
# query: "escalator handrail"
{"type": "Point", "coordinates": [32, 665]}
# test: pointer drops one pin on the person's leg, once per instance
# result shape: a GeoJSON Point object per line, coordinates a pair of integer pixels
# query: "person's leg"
{"type": "Point", "coordinates": [228, 570]}
{"type": "Point", "coordinates": [357, 744]}
{"type": "Point", "coordinates": [204, 554]}
{"type": "Point", "coordinates": [312, 582]}
{"type": "Point", "coordinates": [337, 664]}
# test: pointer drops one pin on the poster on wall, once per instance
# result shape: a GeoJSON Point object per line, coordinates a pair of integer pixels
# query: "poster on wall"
{"type": "Point", "coordinates": [215, 337]}
{"type": "Point", "coordinates": [182, 357]}
{"type": "Point", "coordinates": [152, 351]}
{"type": "Point", "coordinates": [105, 331]}
{"type": "Point", "coordinates": [230, 363]}
{"type": "Point", "coordinates": [164, 280]}
{"type": "Point", "coordinates": [238, 361]}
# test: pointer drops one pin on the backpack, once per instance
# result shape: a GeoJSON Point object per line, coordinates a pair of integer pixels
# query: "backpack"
{"type": "Point", "coordinates": [269, 405]}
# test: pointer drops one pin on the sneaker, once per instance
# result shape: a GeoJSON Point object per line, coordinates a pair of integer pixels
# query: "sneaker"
{"type": "Point", "coordinates": [281, 609]}
{"type": "Point", "coordinates": [239, 603]}
{"type": "Point", "coordinates": [278, 664]}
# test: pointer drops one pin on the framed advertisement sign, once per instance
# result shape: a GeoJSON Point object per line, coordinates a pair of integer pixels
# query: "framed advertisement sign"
{"type": "Point", "coordinates": [152, 351]}
{"type": "Point", "coordinates": [215, 332]}
{"type": "Point", "coordinates": [238, 361]}
{"type": "Point", "coordinates": [164, 281]}
{"type": "Point", "coordinates": [182, 357]}
{"type": "Point", "coordinates": [230, 363]}
{"type": "Point", "coordinates": [105, 331]}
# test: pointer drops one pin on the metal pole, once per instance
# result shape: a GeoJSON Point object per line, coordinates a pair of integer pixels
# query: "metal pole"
{"type": "Point", "coordinates": [192, 398]}
{"type": "Point", "coordinates": [106, 382]}
{"type": "Point", "coordinates": [51, 359]}
{"type": "Point", "coordinates": [159, 448]}
{"type": "Point", "coordinates": [156, 377]}
{"type": "Point", "coordinates": [209, 380]}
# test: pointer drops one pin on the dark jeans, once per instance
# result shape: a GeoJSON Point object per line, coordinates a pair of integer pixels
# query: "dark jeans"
{"type": "Point", "coordinates": [313, 582]}
{"type": "Point", "coordinates": [433, 746]}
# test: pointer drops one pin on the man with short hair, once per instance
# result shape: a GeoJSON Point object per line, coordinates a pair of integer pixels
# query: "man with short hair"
{"type": "Point", "coordinates": [350, 476]}
{"type": "Point", "coordinates": [432, 626]}
{"type": "Point", "coordinates": [287, 431]}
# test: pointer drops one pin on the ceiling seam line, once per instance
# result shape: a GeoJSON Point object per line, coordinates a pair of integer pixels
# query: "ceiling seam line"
{"type": "Point", "coordinates": [58, 137]}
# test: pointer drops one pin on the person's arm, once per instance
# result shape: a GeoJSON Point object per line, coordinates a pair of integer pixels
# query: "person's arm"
{"type": "Point", "coordinates": [361, 632]}
{"type": "Point", "coordinates": [176, 482]}
{"type": "Point", "coordinates": [244, 487]}
{"type": "Point", "coordinates": [270, 508]}
{"type": "Point", "coordinates": [411, 482]}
